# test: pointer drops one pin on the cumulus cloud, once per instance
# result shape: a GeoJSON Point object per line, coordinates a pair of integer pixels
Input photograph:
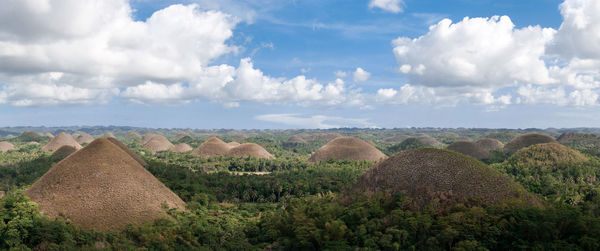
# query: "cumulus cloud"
{"type": "Point", "coordinates": [99, 51]}
{"type": "Point", "coordinates": [246, 83]}
{"type": "Point", "coordinates": [474, 59]}
{"type": "Point", "coordinates": [393, 6]}
{"type": "Point", "coordinates": [316, 121]}
{"type": "Point", "coordinates": [360, 75]}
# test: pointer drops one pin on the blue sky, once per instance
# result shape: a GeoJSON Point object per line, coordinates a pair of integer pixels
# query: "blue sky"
{"type": "Point", "coordinates": [273, 64]}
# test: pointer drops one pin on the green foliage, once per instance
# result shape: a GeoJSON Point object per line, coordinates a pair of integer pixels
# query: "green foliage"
{"type": "Point", "coordinates": [407, 144]}
{"type": "Point", "coordinates": [572, 183]}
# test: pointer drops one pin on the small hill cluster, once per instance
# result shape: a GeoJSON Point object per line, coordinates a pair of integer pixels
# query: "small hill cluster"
{"type": "Point", "coordinates": [214, 146]}
{"type": "Point", "coordinates": [62, 139]}
{"type": "Point", "coordinates": [102, 187]}
{"type": "Point", "coordinates": [347, 148]}
{"type": "Point", "coordinates": [441, 177]}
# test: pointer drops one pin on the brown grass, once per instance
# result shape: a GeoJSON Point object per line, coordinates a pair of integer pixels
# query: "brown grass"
{"type": "Point", "coordinates": [128, 151]}
{"type": "Point", "coordinates": [63, 152]}
{"type": "Point", "coordinates": [470, 149]}
{"type": "Point", "coordinates": [84, 138]}
{"type": "Point", "coordinates": [101, 187]}
{"type": "Point", "coordinates": [296, 139]}
{"type": "Point", "coordinates": [428, 140]}
{"type": "Point", "coordinates": [526, 140]}
{"type": "Point", "coordinates": [249, 149]}
{"type": "Point", "coordinates": [182, 147]}
{"type": "Point", "coordinates": [62, 139]}
{"type": "Point", "coordinates": [213, 146]}
{"type": "Point", "coordinates": [489, 144]}
{"type": "Point", "coordinates": [441, 177]}
{"type": "Point", "coordinates": [347, 148]}
{"type": "Point", "coordinates": [158, 144]}
{"type": "Point", "coordinates": [233, 144]}
{"type": "Point", "coordinates": [6, 146]}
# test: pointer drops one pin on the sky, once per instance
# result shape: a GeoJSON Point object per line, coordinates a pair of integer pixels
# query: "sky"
{"type": "Point", "coordinates": [279, 64]}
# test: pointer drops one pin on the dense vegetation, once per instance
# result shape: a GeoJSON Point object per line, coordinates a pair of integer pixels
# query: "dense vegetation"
{"type": "Point", "coordinates": [289, 204]}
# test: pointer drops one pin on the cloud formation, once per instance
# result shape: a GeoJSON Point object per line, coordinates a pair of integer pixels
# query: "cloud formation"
{"type": "Point", "coordinates": [360, 75]}
{"type": "Point", "coordinates": [393, 6]}
{"type": "Point", "coordinates": [489, 61]}
{"type": "Point", "coordinates": [89, 51]}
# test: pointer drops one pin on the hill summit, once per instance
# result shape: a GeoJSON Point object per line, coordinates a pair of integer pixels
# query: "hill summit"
{"type": "Point", "coordinates": [347, 148]}
{"type": "Point", "coordinates": [62, 139]}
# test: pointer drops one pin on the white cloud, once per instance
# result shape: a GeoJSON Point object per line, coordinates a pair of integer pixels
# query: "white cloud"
{"type": "Point", "coordinates": [481, 52]}
{"type": "Point", "coordinates": [316, 121]}
{"type": "Point", "coordinates": [471, 60]}
{"type": "Point", "coordinates": [340, 74]}
{"type": "Point", "coordinates": [248, 84]}
{"type": "Point", "coordinates": [360, 75]}
{"type": "Point", "coordinates": [579, 34]}
{"type": "Point", "coordinates": [394, 6]}
{"type": "Point", "coordinates": [97, 48]}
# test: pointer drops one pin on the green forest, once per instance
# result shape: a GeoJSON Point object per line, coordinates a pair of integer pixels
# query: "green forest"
{"type": "Point", "coordinates": [288, 203]}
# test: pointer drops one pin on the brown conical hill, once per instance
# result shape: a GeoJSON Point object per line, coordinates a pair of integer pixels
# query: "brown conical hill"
{"type": "Point", "coordinates": [526, 140]}
{"type": "Point", "coordinates": [470, 149]}
{"type": "Point", "coordinates": [233, 144]}
{"type": "Point", "coordinates": [296, 139]}
{"type": "Point", "coordinates": [107, 135]}
{"type": "Point", "coordinates": [553, 155]}
{"type": "Point", "coordinates": [6, 146]}
{"type": "Point", "coordinates": [213, 146]}
{"type": "Point", "coordinates": [48, 135]}
{"type": "Point", "coordinates": [441, 176]}
{"type": "Point", "coordinates": [249, 149]}
{"type": "Point", "coordinates": [84, 138]}
{"type": "Point", "coordinates": [128, 151]}
{"type": "Point", "coordinates": [158, 144]}
{"type": "Point", "coordinates": [428, 140]}
{"type": "Point", "coordinates": [150, 136]}
{"type": "Point", "coordinates": [347, 148]}
{"type": "Point", "coordinates": [182, 147]}
{"type": "Point", "coordinates": [183, 137]}
{"type": "Point", "coordinates": [62, 139]}
{"type": "Point", "coordinates": [101, 187]}
{"type": "Point", "coordinates": [63, 152]}
{"type": "Point", "coordinates": [489, 144]}
{"type": "Point", "coordinates": [134, 136]}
